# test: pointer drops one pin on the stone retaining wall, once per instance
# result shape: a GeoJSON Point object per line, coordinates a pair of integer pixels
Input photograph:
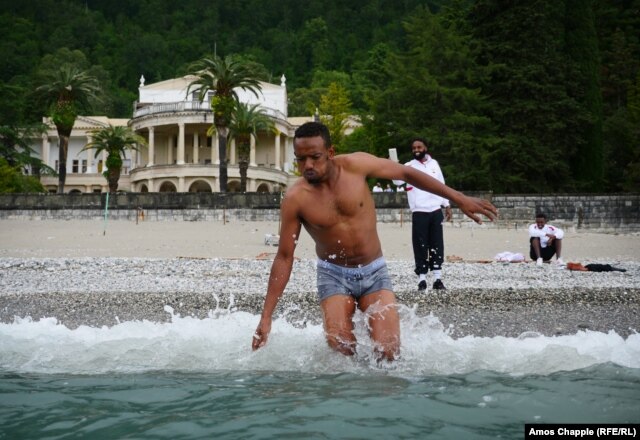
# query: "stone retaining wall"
{"type": "Point", "coordinates": [595, 212]}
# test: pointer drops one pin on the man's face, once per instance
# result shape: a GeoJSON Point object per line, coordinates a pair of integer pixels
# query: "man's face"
{"type": "Point", "coordinates": [312, 157]}
{"type": "Point", "coordinates": [419, 150]}
{"type": "Point", "coordinates": [540, 222]}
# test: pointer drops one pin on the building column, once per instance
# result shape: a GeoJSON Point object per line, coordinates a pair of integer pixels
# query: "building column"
{"type": "Point", "coordinates": [181, 184]}
{"type": "Point", "coordinates": [214, 149]}
{"type": "Point", "coordinates": [90, 154]}
{"type": "Point", "coordinates": [150, 185]}
{"type": "Point", "coordinates": [232, 152]}
{"type": "Point", "coordinates": [152, 147]}
{"type": "Point", "coordinates": [251, 185]}
{"type": "Point", "coordinates": [170, 145]}
{"type": "Point", "coordinates": [252, 153]}
{"type": "Point", "coordinates": [180, 160]}
{"type": "Point", "coordinates": [196, 146]}
{"type": "Point", "coordinates": [46, 149]}
{"type": "Point", "coordinates": [278, 167]}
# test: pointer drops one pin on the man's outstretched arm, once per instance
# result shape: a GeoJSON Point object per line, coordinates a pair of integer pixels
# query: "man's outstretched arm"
{"type": "Point", "coordinates": [280, 271]}
{"type": "Point", "coordinates": [373, 166]}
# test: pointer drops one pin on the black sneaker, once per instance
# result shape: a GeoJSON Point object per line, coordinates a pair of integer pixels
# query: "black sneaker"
{"type": "Point", "coordinates": [422, 285]}
{"type": "Point", "coordinates": [437, 285]}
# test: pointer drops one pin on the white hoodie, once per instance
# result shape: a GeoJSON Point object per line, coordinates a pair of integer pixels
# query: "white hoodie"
{"type": "Point", "coordinates": [423, 201]}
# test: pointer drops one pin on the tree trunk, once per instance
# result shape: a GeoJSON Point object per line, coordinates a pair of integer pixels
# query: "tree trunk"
{"type": "Point", "coordinates": [62, 162]}
{"type": "Point", "coordinates": [244, 166]}
{"type": "Point", "coordinates": [113, 178]}
{"type": "Point", "coordinates": [222, 154]}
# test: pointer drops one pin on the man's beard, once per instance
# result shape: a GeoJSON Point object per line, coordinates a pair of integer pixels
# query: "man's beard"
{"type": "Point", "coordinates": [312, 177]}
{"type": "Point", "coordinates": [419, 155]}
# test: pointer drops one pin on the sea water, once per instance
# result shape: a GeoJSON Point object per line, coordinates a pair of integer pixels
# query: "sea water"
{"type": "Point", "coordinates": [198, 378]}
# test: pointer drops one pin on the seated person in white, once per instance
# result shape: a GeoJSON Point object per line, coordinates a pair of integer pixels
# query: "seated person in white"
{"type": "Point", "coordinates": [545, 241]}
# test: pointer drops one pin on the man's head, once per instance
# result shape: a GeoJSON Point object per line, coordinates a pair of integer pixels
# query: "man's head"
{"type": "Point", "coordinates": [313, 129]}
{"type": "Point", "coordinates": [419, 148]}
{"type": "Point", "coordinates": [313, 151]}
{"type": "Point", "coordinates": [541, 220]}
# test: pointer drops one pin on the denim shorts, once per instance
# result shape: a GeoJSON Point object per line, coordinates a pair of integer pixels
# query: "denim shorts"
{"type": "Point", "coordinates": [354, 281]}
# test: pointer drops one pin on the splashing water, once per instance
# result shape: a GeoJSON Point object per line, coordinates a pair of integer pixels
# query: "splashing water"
{"type": "Point", "coordinates": [194, 378]}
{"type": "Point", "coordinates": [223, 342]}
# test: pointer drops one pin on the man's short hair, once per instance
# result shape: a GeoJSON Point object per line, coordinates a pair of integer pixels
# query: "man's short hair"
{"type": "Point", "coordinates": [541, 215]}
{"type": "Point", "coordinates": [313, 129]}
{"type": "Point", "coordinates": [419, 139]}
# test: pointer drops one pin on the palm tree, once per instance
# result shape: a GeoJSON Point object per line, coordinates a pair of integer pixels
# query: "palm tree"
{"type": "Point", "coordinates": [115, 141]}
{"type": "Point", "coordinates": [246, 122]}
{"type": "Point", "coordinates": [65, 91]}
{"type": "Point", "coordinates": [15, 148]}
{"type": "Point", "coordinates": [222, 76]}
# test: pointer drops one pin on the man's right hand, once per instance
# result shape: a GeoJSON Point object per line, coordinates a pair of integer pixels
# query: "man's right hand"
{"type": "Point", "coordinates": [261, 335]}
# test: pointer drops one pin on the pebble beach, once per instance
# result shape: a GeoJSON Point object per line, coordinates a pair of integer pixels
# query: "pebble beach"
{"type": "Point", "coordinates": [99, 274]}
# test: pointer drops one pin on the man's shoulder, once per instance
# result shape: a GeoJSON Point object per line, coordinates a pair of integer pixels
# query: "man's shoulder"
{"type": "Point", "coordinates": [349, 158]}
{"type": "Point", "coordinates": [432, 162]}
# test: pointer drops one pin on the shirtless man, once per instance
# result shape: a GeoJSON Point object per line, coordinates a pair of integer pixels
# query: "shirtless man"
{"type": "Point", "coordinates": [334, 203]}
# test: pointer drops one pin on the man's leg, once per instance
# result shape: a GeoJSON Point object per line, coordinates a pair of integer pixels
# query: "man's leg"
{"type": "Point", "coordinates": [558, 245]}
{"type": "Point", "coordinates": [338, 313]}
{"type": "Point", "coordinates": [419, 239]}
{"type": "Point", "coordinates": [384, 322]}
{"type": "Point", "coordinates": [535, 250]}
{"type": "Point", "coordinates": [436, 242]}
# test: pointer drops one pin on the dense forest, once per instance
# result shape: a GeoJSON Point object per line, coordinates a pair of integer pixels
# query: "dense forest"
{"type": "Point", "coordinates": [514, 96]}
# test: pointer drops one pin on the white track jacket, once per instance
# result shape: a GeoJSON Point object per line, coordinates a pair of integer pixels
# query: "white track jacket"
{"type": "Point", "coordinates": [423, 201]}
{"type": "Point", "coordinates": [534, 231]}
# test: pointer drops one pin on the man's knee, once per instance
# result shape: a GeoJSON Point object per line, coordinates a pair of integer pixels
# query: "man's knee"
{"type": "Point", "coordinates": [342, 343]}
{"type": "Point", "coordinates": [388, 350]}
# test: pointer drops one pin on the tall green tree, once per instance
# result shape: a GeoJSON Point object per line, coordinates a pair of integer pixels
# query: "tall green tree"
{"type": "Point", "coordinates": [618, 27]}
{"type": "Point", "coordinates": [335, 109]}
{"type": "Point", "coordinates": [66, 91]}
{"type": "Point", "coordinates": [15, 148]}
{"type": "Point", "coordinates": [583, 85]}
{"type": "Point", "coordinates": [538, 122]}
{"type": "Point", "coordinates": [13, 181]}
{"type": "Point", "coordinates": [246, 122]}
{"type": "Point", "coordinates": [222, 76]}
{"type": "Point", "coordinates": [433, 91]}
{"type": "Point", "coordinates": [115, 141]}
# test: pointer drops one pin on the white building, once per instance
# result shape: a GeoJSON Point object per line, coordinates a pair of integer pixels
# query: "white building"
{"type": "Point", "coordinates": [179, 155]}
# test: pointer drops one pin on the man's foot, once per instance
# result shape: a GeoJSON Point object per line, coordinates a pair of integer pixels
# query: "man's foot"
{"type": "Point", "coordinates": [559, 262]}
{"type": "Point", "coordinates": [539, 262]}
{"type": "Point", "coordinates": [437, 285]}
{"type": "Point", "coordinates": [422, 285]}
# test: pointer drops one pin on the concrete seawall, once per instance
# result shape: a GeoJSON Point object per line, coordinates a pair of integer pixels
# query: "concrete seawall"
{"type": "Point", "coordinates": [592, 212]}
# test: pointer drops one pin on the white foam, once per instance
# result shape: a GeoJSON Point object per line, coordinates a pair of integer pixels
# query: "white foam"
{"type": "Point", "coordinates": [223, 342]}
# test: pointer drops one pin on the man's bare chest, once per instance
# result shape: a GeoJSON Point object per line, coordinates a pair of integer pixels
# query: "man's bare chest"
{"type": "Point", "coordinates": [325, 209]}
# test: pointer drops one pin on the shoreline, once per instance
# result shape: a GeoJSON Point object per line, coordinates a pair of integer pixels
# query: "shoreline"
{"type": "Point", "coordinates": [483, 300]}
{"type": "Point", "coordinates": [524, 314]}
{"type": "Point", "coordinates": [83, 274]}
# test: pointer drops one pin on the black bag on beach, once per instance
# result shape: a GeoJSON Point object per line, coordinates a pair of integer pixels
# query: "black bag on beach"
{"type": "Point", "coordinates": [603, 268]}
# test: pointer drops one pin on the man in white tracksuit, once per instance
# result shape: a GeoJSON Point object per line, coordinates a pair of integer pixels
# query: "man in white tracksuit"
{"type": "Point", "coordinates": [427, 218]}
{"type": "Point", "coordinates": [545, 241]}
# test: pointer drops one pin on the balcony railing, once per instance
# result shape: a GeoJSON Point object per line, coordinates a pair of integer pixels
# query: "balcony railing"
{"type": "Point", "coordinates": [173, 107]}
